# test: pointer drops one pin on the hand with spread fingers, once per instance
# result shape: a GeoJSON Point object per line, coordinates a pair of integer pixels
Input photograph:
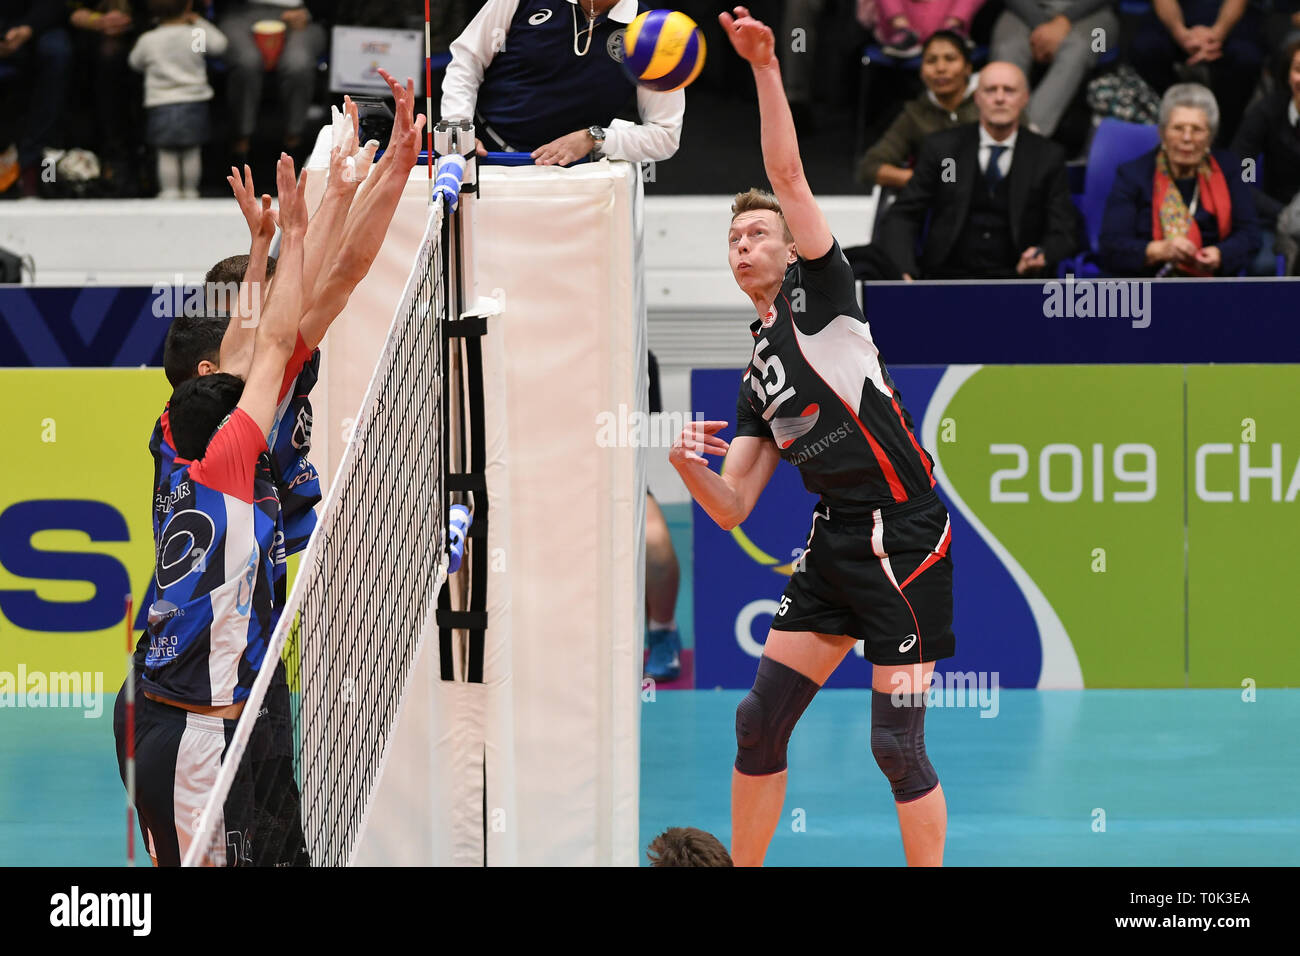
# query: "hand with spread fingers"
{"type": "Point", "coordinates": [697, 440]}
{"type": "Point", "coordinates": [404, 144]}
{"type": "Point", "coordinates": [261, 218]}
{"type": "Point", "coordinates": [751, 38]}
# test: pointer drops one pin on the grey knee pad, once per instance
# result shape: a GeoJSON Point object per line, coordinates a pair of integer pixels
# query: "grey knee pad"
{"type": "Point", "coordinates": [898, 744]}
{"type": "Point", "coordinates": [766, 717]}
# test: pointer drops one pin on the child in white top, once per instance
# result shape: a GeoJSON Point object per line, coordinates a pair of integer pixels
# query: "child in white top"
{"type": "Point", "coordinates": [176, 92]}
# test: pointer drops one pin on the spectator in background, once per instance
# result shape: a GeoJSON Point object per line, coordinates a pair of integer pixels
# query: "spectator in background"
{"type": "Point", "coordinates": [544, 77]}
{"type": "Point", "coordinates": [902, 25]}
{"type": "Point", "coordinates": [948, 100]}
{"type": "Point", "coordinates": [1058, 36]}
{"type": "Point", "coordinates": [1180, 209]}
{"type": "Point", "coordinates": [1282, 23]}
{"type": "Point", "coordinates": [103, 34]}
{"type": "Point", "coordinates": [996, 195]}
{"type": "Point", "coordinates": [304, 43]}
{"type": "Point", "coordinates": [1271, 130]}
{"type": "Point", "coordinates": [799, 57]}
{"type": "Point", "coordinates": [176, 92]}
{"type": "Point", "coordinates": [1216, 41]}
{"type": "Point", "coordinates": [395, 15]}
{"type": "Point", "coordinates": [35, 57]}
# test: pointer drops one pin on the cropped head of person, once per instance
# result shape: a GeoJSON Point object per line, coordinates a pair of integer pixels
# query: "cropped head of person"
{"type": "Point", "coordinates": [1288, 70]}
{"type": "Point", "coordinates": [198, 407]}
{"type": "Point", "coordinates": [1002, 95]}
{"type": "Point", "coordinates": [688, 846]}
{"type": "Point", "coordinates": [1189, 121]}
{"type": "Point", "coordinates": [759, 244]}
{"type": "Point", "coordinates": [946, 66]}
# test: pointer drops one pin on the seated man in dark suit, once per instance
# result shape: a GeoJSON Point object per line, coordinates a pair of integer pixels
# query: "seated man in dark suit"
{"type": "Point", "coordinates": [996, 194]}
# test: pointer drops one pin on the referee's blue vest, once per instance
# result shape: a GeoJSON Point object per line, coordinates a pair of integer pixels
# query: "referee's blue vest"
{"type": "Point", "coordinates": [536, 89]}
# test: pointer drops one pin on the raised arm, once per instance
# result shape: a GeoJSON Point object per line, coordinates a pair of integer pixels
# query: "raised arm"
{"type": "Point", "coordinates": [754, 42]}
{"type": "Point", "coordinates": [325, 228]}
{"type": "Point", "coordinates": [369, 216]}
{"type": "Point", "coordinates": [277, 332]}
{"type": "Point", "coordinates": [237, 344]}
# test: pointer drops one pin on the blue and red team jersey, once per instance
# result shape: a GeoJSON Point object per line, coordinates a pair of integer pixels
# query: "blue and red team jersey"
{"type": "Point", "coordinates": [218, 592]}
{"type": "Point", "coordinates": [290, 443]}
{"type": "Point", "coordinates": [817, 387]}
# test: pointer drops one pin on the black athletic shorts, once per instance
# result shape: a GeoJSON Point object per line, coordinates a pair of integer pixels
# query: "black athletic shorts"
{"type": "Point", "coordinates": [178, 755]}
{"type": "Point", "coordinates": [884, 578]}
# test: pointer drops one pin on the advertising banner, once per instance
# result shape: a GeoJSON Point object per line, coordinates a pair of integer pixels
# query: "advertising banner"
{"type": "Point", "coordinates": [75, 533]}
{"type": "Point", "coordinates": [1112, 526]}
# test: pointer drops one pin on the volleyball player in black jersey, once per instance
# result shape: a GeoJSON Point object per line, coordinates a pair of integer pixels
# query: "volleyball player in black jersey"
{"type": "Point", "coordinates": [876, 568]}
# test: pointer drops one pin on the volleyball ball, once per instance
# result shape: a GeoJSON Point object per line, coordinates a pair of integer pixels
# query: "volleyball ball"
{"type": "Point", "coordinates": [663, 50]}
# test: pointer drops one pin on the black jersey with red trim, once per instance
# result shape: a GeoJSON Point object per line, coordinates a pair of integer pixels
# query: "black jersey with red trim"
{"type": "Point", "coordinates": [817, 387]}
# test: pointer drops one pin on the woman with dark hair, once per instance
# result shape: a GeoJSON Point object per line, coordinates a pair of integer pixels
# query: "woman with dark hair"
{"type": "Point", "coordinates": [948, 101]}
{"type": "Point", "coordinates": [1271, 130]}
{"type": "Point", "coordinates": [1180, 209]}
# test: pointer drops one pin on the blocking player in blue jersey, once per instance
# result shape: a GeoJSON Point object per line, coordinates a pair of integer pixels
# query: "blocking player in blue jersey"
{"type": "Point", "coordinates": [876, 568]}
{"type": "Point", "coordinates": [220, 530]}
{"type": "Point", "coordinates": [221, 546]}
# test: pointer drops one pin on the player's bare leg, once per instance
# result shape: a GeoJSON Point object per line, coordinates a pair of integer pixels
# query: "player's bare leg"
{"type": "Point", "coordinates": [756, 801]}
{"type": "Point", "coordinates": [923, 822]}
{"type": "Point", "coordinates": [661, 571]}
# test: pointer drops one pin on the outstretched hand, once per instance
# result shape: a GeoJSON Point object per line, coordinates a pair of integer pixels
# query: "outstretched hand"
{"type": "Point", "coordinates": [404, 144]}
{"type": "Point", "coordinates": [751, 38]}
{"type": "Point", "coordinates": [260, 217]}
{"type": "Point", "coordinates": [293, 200]}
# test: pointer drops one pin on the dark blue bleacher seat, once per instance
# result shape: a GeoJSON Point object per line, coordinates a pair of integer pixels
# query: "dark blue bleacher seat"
{"type": "Point", "coordinates": [1114, 142]}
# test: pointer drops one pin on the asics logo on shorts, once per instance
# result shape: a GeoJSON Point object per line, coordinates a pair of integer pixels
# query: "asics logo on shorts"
{"type": "Point", "coordinates": [907, 644]}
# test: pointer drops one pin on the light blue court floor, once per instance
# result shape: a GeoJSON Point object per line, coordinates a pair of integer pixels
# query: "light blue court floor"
{"type": "Point", "coordinates": [1183, 777]}
{"type": "Point", "coordinates": [1178, 777]}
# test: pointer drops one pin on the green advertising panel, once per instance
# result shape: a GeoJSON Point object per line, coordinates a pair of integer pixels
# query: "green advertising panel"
{"type": "Point", "coordinates": [1077, 473]}
{"type": "Point", "coordinates": [1243, 482]}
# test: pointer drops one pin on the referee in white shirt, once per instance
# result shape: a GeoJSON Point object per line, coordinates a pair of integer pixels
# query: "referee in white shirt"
{"type": "Point", "coordinates": [545, 77]}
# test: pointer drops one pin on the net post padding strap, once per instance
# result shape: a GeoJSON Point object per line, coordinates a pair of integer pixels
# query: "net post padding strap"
{"type": "Point", "coordinates": [337, 611]}
{"type": "Point", "coordinates": [473, 618]}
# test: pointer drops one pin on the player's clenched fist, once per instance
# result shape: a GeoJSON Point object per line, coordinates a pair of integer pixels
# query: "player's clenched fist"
{"type": "Point", "coordinates": [751, 38]}
{"type": "Point", "coordinates": [697, 440]}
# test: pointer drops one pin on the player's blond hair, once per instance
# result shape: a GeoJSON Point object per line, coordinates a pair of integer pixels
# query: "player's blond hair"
{"type": "Point", "coordinates": [756, 198]}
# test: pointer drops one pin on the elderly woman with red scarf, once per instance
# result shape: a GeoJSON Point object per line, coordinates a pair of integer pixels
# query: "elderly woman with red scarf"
{"type": "Point", "coordinates": [1181, 209]}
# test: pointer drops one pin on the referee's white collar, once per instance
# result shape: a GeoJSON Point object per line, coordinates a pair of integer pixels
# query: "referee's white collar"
{"type": "Point", "coordinates": [624, 11]}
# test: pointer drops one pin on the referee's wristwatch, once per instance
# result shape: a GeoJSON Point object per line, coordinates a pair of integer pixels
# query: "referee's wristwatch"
{"type": "Point", "coordinates": [597, 134]}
